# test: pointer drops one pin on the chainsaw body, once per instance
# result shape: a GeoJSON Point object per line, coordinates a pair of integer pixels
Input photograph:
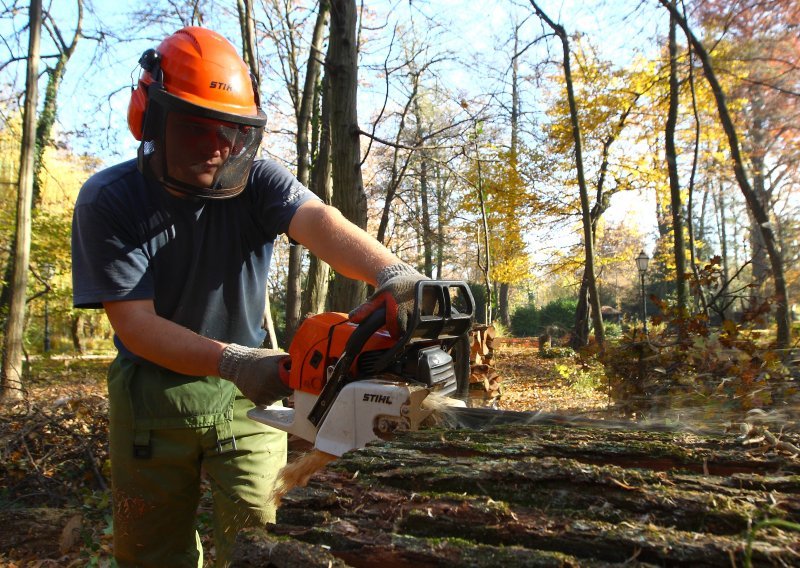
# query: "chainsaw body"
{"type": "Point", "coordinates": [354, 383]}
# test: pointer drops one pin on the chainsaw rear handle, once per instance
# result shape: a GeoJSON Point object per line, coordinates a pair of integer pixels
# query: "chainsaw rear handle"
{"type": "Point", "coordinates": [447, 324]}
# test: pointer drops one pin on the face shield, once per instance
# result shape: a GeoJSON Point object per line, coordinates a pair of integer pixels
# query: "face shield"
{"type": "Point", "coordinates": [198, 151]}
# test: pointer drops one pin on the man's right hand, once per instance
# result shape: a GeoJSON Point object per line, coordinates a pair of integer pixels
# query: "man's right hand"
{"type": "Point", "coordinates": [261, 374]}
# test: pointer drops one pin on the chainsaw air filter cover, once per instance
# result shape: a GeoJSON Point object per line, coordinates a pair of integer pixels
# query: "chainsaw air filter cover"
{"type": "Point", "coordinates": [319, 343]}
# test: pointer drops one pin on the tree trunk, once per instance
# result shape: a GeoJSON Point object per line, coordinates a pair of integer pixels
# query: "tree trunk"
{"type": "Point", "coordinates": [580, 333]}
{"type": "Point", "coordinates": [245, 11]}
{"type": "Point", "coordinates": [75, 331]}
{"type": "Point", "coordinates": [485, 263]}
{"type": "Point", "coordinates": [754, 205]}
{"type": "Point", "coordinates": [551, 493]}
{"type": "Point", "coordinates": [12, 341]}
{"type": "Point", "coordinates": [674, 182]}
{"type": "Point", "coordinates": [589, 271]}
{"type": "Point", "coordinates": [316, 292]}
{"type": "Point", "coordinates": [760, 260]}
{"type": "Point", "coordinates": [427, 231]}
{"type": "Point", "coordinates": [44, 131]}
{"type": "Point", "coordinates": [294, 277]}
{"type": "Point", "coordinates": [348, 188]}
{"type": "Point", "coordinates": [721, 206]}
{"type": "Point", "coordinates": [503, 310]}
{"type": "Point", "coordinates": [247, 27]}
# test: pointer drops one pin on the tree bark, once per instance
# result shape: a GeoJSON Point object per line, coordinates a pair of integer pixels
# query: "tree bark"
{"type": "Point", "coordinates": [485, 263]}
{"type": "Point", "coordinates": [11, 380]}
{"type": "Point", "coordinates": [247, 27]}
{"type": "Point", "coordinates": [546, 493]}
{"type": "Point", "coordinates": [348, 188]}
{"type": "Point", "coordinates": [754, 205]}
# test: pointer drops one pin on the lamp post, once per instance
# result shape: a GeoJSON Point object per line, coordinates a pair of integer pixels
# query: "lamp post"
{"type": "Point", "coordinates": [641, 264]}
{"type": "Point", "coordinates": [47, 274]}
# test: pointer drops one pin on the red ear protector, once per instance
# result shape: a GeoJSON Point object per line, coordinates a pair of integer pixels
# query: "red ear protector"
{"type": "Point", "coordinates": [137, 107]}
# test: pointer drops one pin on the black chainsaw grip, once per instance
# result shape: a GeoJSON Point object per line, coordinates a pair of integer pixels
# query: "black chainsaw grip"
{"type": "Point", "coordinates": [363, 332]}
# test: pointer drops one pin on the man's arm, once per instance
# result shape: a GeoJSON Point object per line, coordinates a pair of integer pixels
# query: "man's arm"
{"type": "Point", "coordinates": [349, 250]}
{"type": "Point", "coordinates": [355, 254]}
{"type": "Point", "coordinates": [260, 374]}
{"type": "Point", "coordinates": [161, 341]}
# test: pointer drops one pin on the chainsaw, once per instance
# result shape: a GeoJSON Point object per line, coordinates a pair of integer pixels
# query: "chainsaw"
{"type": "Point", "coordinates": [354, 384]}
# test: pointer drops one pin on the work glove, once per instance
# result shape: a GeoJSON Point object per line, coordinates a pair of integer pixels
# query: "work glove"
{"type": "Point", "coordinates": [395, 292]}
{"type": "Point", "coordinates": [261, 374]}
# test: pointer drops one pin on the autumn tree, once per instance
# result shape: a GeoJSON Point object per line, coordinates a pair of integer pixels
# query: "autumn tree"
{"type": "Point", "coordinates": [11, 380]}
{"type": "Point", "coordinates": [757, 54]}
{"type": "Point", "coordinates": [755, 206]}
{"type": "Point", "coordinates": [64, 48]}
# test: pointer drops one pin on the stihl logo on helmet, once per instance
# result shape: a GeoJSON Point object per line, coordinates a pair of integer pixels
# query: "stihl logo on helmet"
{"type": "Point", "coordinates": [199, 134]}
{"type": "Point", "coordinates": [220, 85]}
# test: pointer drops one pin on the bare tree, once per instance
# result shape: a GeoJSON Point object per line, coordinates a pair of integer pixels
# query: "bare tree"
{"type": "Point", "coordinates": [341, 65]}
{"type": "Point", "coordinates": [47, 117]}
{"type": "Point", "coordinates": [674, 182]}
{"type": "Point", "coordinates": [12, 341]}
{"type": "Point", "coordinates": [589, 270]}
{"type": "Point", "coordinates": [246, 19]}
{"type": "Point", "coordinates": [316, 292]}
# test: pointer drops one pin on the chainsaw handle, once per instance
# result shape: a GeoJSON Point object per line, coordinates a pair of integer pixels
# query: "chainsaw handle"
{"type": "Point", "coordinates": [338, 379]}
{"type": "Point", "coordinates": [448, 323]}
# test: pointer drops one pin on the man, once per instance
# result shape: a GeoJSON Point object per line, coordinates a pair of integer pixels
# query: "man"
{"type": "Point", "coordinates": [175, 246]}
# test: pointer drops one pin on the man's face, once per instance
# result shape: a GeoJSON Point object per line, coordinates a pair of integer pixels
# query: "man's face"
{"type": "Point", "coordinates": [196, 148]}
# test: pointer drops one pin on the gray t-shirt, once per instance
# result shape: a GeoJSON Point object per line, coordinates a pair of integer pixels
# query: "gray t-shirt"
{"type": "Point", "coordinates": [204, 263]}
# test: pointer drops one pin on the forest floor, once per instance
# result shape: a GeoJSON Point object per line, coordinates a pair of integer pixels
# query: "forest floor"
{"type": "Point", "coordinates": [54, 496]}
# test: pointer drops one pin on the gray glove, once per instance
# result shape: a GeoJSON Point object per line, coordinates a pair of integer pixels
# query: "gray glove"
{"type": "Point", "coordinates": [395, 292]}
{"type": "Point", "coordinates": [261, 374]}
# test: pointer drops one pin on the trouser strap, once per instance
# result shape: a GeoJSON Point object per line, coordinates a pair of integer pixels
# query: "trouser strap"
{"type": "Point", "coordinates": [142, 448]}
{"type": "Point", "coordinates": [226, 441]}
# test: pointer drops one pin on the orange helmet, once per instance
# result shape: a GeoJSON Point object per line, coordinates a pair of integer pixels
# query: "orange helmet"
{"type": "Point", "coordinates": [196, 103]}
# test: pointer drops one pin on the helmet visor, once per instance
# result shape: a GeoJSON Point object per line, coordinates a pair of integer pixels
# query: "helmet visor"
{"type": "Point", "coordinates": [200, 153]}
{"type": "Point", "coordinates": [207, 153]}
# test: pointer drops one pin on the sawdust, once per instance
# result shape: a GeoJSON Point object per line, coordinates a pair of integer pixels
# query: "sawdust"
{"type": "Point", "coordinates": [298, 472]}
{"type": "Point", "coordinates": [440, 408]}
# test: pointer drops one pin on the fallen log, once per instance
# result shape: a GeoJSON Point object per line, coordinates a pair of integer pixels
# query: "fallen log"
{"type": "Point", "coordinates": [543, 495]}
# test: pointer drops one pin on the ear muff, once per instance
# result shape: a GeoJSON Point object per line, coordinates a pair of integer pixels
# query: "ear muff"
{"type": "Point", "coordinates": [137, 107]}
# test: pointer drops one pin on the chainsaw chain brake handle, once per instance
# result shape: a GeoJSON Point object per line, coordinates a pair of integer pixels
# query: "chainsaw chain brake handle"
{"type": "Point", "coordinates": [443, 322]}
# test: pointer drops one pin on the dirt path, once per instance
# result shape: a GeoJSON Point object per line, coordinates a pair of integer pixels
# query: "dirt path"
{"type": "Point", "coordinates": [531, 382]}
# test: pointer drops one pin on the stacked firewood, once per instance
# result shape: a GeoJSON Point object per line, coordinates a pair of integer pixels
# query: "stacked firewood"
{"type": "Point", "coordinates": [485, 386]}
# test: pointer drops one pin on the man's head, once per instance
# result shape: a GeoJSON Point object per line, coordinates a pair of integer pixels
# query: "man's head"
{"type": "Point", "coordinates": [196, 112]}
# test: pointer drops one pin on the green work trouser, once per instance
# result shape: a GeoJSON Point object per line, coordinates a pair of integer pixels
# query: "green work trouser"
{"type": "Point", "coordinates": [156, 464]}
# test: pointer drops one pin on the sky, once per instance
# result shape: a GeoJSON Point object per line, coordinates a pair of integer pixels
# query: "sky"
{"type": "Point", "coordinates": [471, 29]}
{"type": "Point", "coordinates": [96, 89]}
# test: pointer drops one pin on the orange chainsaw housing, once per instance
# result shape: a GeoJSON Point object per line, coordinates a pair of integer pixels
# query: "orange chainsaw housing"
{"type": "Point", "coordinates": [319, 343]}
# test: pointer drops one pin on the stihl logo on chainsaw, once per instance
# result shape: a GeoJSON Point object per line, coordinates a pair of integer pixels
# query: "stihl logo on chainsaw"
{"type": "Point", "coordinates": [379, 398]}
